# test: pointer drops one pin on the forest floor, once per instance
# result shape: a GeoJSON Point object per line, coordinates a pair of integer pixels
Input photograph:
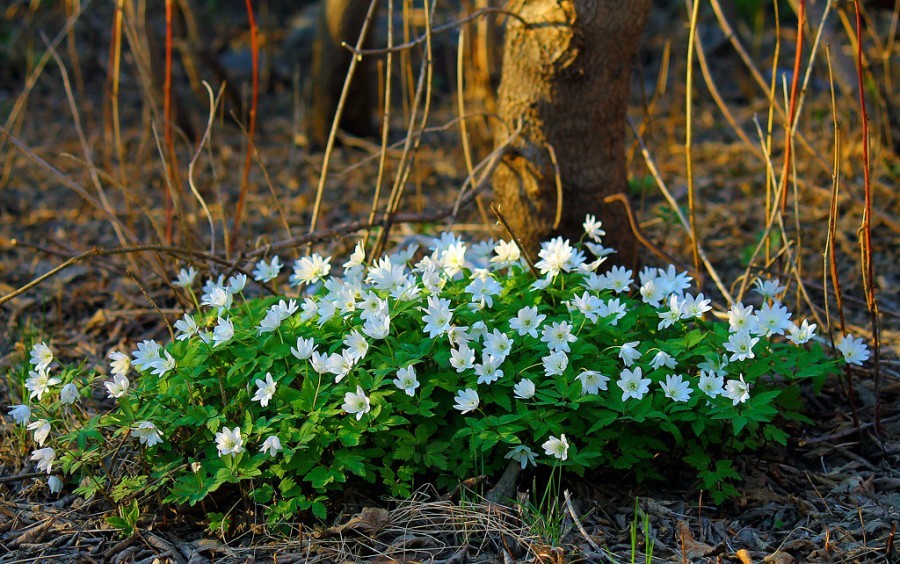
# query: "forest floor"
{"type": "Point", "coordinates": [831, 495]}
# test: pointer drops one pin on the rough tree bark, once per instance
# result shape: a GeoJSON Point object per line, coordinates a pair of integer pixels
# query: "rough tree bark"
{"type": "Point", "coordinates": [340, 20]}
{"type": "Point", "coordinates": [566, 75]}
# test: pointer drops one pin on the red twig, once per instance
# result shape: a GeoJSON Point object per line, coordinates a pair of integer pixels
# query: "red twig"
{"type": "Point", "coordinates": [245, 179]}
{"type": "Point", "coordinates": [795, 80]}
{"type": "Point", "coordinates": [865, 229]}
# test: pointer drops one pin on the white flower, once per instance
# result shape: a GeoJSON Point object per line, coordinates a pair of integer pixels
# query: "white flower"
{"type": "Point", "coordinates": [357, 345]}
{"type": "Point", "coordinates": [555, 255]}
{"type": "Point", "coordinates": [55, 484]}
{"type": "Point", "coordinates": [69, 394]}
{"type": "Point", "coordinates": [186, 328]}
{"type": "Point", "coordinates": [477, 331]}
{"type": "Point", "coordinates": [340, 364]}
{"type": "Point", "coordinates": [676, 388]}
{"type": "Point", "coordinates": [592, 228]}
{"type": "Point", "coordinates": [147, 433]}
{"type": "Point", "coordinates": [463, 358]}
{"type": "Point", "coordinates": [377, 327]}
{"type": "Point", "coordinates": [711, 383]}
{"type": "Point", "coordinates": [357, 257]}
{"type": "Point", "coordinates": [267, 271]}
{"type": "Point", "coordinates": [385, 275]}
{"type": "Point", "coordinates": [694, 306]}
{"type": "Point", "coordinates": [802, 334]}
{"type": "Point", "coordinates": [223, 331]}
{"type": "Point", "coordinates": [466, 400]}
{"type": "Point", "coordinates": [558, 335]}
{"type": "Point", "coordinates": [357, 403]}
{"type": "Point", "coordinates": [229, 441]}
{"type": "Point", "coordinates": [272, 444]}
{"type": "Point", "coordinates": [616, 309]}
{"type": "Point", "coordinates": [741, 318]}
{"type": "Point", "coordinates": [589, 305]}
{"type": "Point", "coordinates": [185, 277]}
{"type": "Point", "coordinates": [41, 429]}
{"type": "Point", "coordinates": [371, 305]}
{"type": "Point", "coordinates": [715, 365]}
{"type": "Point", "coordinates": [669, 316]}
{"type": "Point", "coordinates": [38, 383]}
{"type": "Point", "coordinates": [118, 387]}
{"type": "Point", "coordinates": [737, 391]}
{"type": "Point", "coordinates": [270, 323]}
{"type": "Point", "coordinates": [41, 356]}
{"type": "Point", "coordinates": [218, 297]}
{"type": "Point", "coordinates": [458, 336]}
{"type": "Point", "coordinates": [44, 458]}
{"type": "Point", "coordinates": [854, 350]}
{"type": "Point", "coordinates": [524, 389]}
{"type": "Point", "coordinates": [309, 270]}
{"type": "Point", "coordinates": [521, 454]}
{"type": "Point", "coordinates": [661, 359]}
{"type": "Point", "coordinates": [236, 283]}
{"type": "Point", "coordinates": [453, 258]}
{"type": "Point", "coordinates": [527, 321]}
{"type": "Point", "coordinates": [768, 289]}
{"type": "Point", "coordinates": [740, 344]}
{"type": "Point", "coordinates": [632, 385]}
{"type": "Point", "coordinates": [406, 380]}
{"type": "Point", "coordinates": [120, 364]}
{"type": "Point", "coordinates": [507, 254]}
{"type": "Point", "coordinates": [557, 448]}
{"type": "Point", "coordinates": [497, 344]}
{"type": "Point", "coordinates": [20, 413]}
{"type": "Point", "coordinates": [146, 353]}
{"type": "Point", "coordinates": [772, 320]}
{"type": "Point", "coordinates": [437, 316]}
{"type": "Point", "coordinates": [163, 365]}
{"type": "Point", "coordinates": [651, 292]}
{"type": "Point", "coordinates": [489, 370]}
{"type": "Point", "coordinates": [265, 390]}
{"type": "Point", "coordinates": [592, 382]}
{"type": "Point", "coordinates": [555, 363]}
{"type": "Point", "coordinates": [629, 353]}
{"type": "Point", "coordinates": [305, 348]}
{"type": "Point", "coordinates": [319, 362]}
{"type": "Point", "coordinates": [619, 279]}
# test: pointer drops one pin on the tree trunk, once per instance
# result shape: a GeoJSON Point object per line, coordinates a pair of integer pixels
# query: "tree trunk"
{"type": "Point", "coordinates": [566, 76]}
{"type": "Point", "coordinates": [340, 20]}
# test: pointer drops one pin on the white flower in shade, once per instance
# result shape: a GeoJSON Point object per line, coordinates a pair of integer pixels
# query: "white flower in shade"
{"type": "Point", "coordinates": [186, 328]}
{"type": "Point", "coordinates": [265, 390]}
{"type": "Point", "coordinates": [357, 257]}
{"type": "Point", "coordinates": [206, 337]}
{"type": "Point", "coordinates": [524, 389]}
{"type": "Point", "coordinates": [407, 291]}
{"type": "Point", "coordinates": [740, 345]}
{"type": "Point", "coordinates": [340, 364]}
{"type": "Point", "coordinates": [218, 297]}
{"type": "Point", "coordinates": [44, 458]}
{"type": "Point", "coordinates": [598, 250]}
{"type": "Point", "coordinates": [772, 320]}
{"type": "Point", "coordinates": [711, 384]}
{"type": "Point", "coordinates": [592, 382]}
{"type": "Point", "coordinates": [304, 349]}
{"type": "Point", "coordinates": [309, 270]}
{"type": "Point", "coordinates": [854, 350]}
{"type": "Point", "coordinates": [768, 289]}
{"type": "Point", "coordinates": [555, 363]}
{"type": "Point", "coordinates": [357, 345]}
{"type": "Point", "coordinates": [741, 318]}
{"type": "Point", "coordinates": [236, 283]}
{"type": "Point", "coordinates": [229, 441]}
{"type": "Point", "coordinates": [163, 365]}
{"type": "Point", "coordinates": [521, 454]}
{"type": "Point", "coordinates": [483, 291]}
{"type": "Point", "coordinates": [20, 413]}
{"type": "Point", "coordinates": [527, 321]}
{"type": "Point", "coordinates": [55, 484]}
{"type": "Point", "coordinates": [385, 275]}
{"type": "Point", "coordinates": [489, 370]}
{"type": "Point", "coordinates": [357, 403]}
{"type": "Point", "coordinates": [41, 429]}
{"type": "Point", "coordinates": [371, 305]}
{"type": "Point", "coordinates": [801, 334]}
{"type": "Point", "coordinates": [632, 385]}
{"type": "Point", "coordinates": [69, 394]}
{"type": "Point", "coordinates": [669, 316]}
{"type": "Point", "coordinates": [662, 358]}
{"type": "Point", "coordinates": [223, 331]}
{"type": "Point", "coordinates": [629, 353]}
{"type": "Point", "coordinates": [477, 331]}
{"type": "Point", "coordinates": [462, 358]}
{"type": "Point", "coordinates": [120, 364]}
{"type": "Point", "coordinates": [285, 309]}
{"type": "Point", "coordinates": [406, 380]}
{"type": "Point", "coordinates": [272, 444]}
{"type": "Point", "coordinates": [507, 254]}
{"type": "Point", "coordinates": [118, 386]}
{"type": "Point", "coordinates": [466, 400]}
{"type": "Point", "coordinates": [147, 433]}
{"type": "Point", "coordinates": [185, 278]}
{"type": "Point", "coordinates": [715, 364]}
{"type": "Point", "coordinates": [589, 305]}
{"type": "Point", "coordinates": [619, 279]}
{"type": "Point", "coordinates": [592, 228]}
{"type": "Point", "coordinates": [377, 327]}
{"type": "Point", "coordinates": [498, 344]}
{"type": "Point", "coordinates": [737, 391]}
{"type": "Point", "coordinates": [319, 362]}
{"type": "Point", "coordinates": [38, 383]}
{"type": "Point", "coordinates": [267, 271]}
{"type": "Point", "coordinates": [652, 293]}
{"type": "Point", "coordinates": [676, 388]}
{"type": "Point", "coordinates": [146, 354]}
{"type": "Point", "coordinates": [41, 356]}
{"type": "Point", "coordinates": [326, 310]}
{"type": "Point", "coordinates": [479, 255]}
{"type": "Point", "coordinates": [558, 335]}
{"type": "Point", "coordinates": [557, 448]}
{"type": "Point", "coordinates": [616, 309]}
{"type": "Point", "coordinates": [458, 336]}
{"type": "Point", "coordinates": [438, 316]}
{"type": "Point", "coordinates": [694, 306]}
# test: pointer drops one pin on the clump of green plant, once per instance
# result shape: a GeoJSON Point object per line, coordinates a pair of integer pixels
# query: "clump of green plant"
{"type": "Point", "coordinates": [397, 373]}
